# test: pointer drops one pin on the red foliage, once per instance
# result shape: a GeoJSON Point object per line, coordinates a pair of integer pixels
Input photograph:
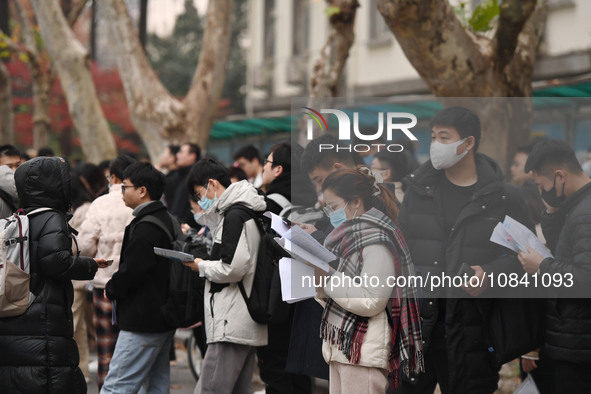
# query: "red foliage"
{"type": "Point", "coordinates": [111, 96]}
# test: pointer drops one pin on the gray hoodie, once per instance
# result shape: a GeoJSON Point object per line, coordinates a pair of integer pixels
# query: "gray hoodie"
{"type": "Point", "coordinates": [8, 186]}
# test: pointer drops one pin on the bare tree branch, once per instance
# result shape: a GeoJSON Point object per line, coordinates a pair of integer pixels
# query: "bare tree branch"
{"type": "Point", "coordinates": [522, 64]}
{"type": "Point", "coordinates": [435, 42]}
{"type": "Point", "coordinates": [157, 116]}
{"type": "Point", "coordinates": [512, 18]}
{"type": "Point", "coordinates": [76, 12]}
{"type": "Point", "coordinates": [71, 62]}
{"type": "Point", "coordinates": [202, 100]}
{"type": "Point", "coordinates": [42, 82]}
{"type": "Point", "coordinates": [28, 35]}
{"type": "Point", "coordinates": [6, 113]}
{"type": "Point", "coordinates": [328, 68]}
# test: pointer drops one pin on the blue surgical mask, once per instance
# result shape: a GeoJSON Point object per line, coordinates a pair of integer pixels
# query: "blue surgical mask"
{"type": "Point", "coordinates": [205, 202]}
{"type": "Point", "coordinates": [338, 217]}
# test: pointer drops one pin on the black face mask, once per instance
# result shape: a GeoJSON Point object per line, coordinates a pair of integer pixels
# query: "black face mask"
{"type": "Point", "coordinates": [551, 197]}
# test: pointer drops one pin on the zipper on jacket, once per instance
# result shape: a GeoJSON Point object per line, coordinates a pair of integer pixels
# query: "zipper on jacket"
{"type": "Point", "coordinates": [211, 304]}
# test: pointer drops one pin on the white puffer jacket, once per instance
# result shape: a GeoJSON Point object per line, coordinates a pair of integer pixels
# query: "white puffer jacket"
{"type": "Point", "coordinates": [226, 315]}
{"type": "Point", "coordinates": [101, 234]}
{"type": "Point", "coordinates": [370, 301]}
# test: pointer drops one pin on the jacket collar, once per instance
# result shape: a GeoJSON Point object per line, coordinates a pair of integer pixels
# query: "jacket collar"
{"type": "Point", "coordinates": [151, 208]}
{"type": "Point", "coordinates": [576, 197]}
{"type": "Point", "coordinates": [426, 178]}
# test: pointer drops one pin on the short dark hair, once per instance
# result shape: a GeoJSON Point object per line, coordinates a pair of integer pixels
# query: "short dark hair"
{"type": "Point", "coordinates": [530, 145]}
{"type": "Point", "coordinates": [549, 155]}
{"type": "Point", "coordinates": [144, 174]}
{"type": "Point", "coordinates": [237, 172]}
{"type": "Point", "coordinates": [249, 152]}
{"type": "Point", "coordinates": [174, 149]}
{"type": "Point", "coordinates": [203, 171]}
{"type": "Point", "coordinates": [45, 151]}
{"type": "Point", "coordinates": [313, 158]}
{"type": "Point", "coordinates": [465, 121]}
{"type": "Point", "coordinates": [282, 156]}
{"type": "Point", "coordinates": [398, 163]}
{"type": "Point", "coordinates": [119, 164]}
{"type": "Point", "coordinates": [94, 177]}
{"type": "Point", "coordinates": [9, 150]}
{"type": "Point", "coordinates": [193, 148]}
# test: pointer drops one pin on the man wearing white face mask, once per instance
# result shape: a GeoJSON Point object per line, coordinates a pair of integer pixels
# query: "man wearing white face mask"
{"type": "Point", "coordinates": [451, 205]}
{"type": "Point", "coordinates": [232, 335]}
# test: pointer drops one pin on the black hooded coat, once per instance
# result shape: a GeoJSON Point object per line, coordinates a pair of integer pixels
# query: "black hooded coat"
{"type": "Point", "coordinates": [37, 350]}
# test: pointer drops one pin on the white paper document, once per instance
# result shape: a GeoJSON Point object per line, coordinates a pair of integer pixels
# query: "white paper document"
{"type": "Point", "coordinates": [173, 254]}
{"type": "Point", "coordinates": [277, 223]}
{"type": "Point", "coordinates": [515, 236]}
{"type": "Point", "coordinates": [296, 280]}
{"type": "Point", "coordinates": [302, 246]}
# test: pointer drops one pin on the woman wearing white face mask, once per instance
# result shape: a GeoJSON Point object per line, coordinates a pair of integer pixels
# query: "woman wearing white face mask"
{"type": "Point", "coordinates": [365, 333]}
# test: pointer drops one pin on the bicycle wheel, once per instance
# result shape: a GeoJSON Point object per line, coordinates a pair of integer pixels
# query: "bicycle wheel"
{"type": "Point", "coordinates": [195, 357]}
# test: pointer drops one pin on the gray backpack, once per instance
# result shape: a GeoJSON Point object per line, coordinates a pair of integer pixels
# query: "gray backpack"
{"type": "Point", "coordinates": [15, 294]}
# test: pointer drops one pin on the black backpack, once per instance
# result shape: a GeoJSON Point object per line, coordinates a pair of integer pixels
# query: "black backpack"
{"type": "Point", "coordinates": [184, 305]}
{"type": "Point", "coordinates": [265, 304]}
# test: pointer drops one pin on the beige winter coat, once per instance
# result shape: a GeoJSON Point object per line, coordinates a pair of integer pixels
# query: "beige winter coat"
{"type": "Point", "coordinates": [101, 233]}
{"type": "Point", "coordinates": [226, 315]}
{"type": "Point", "coordinates": [369, 301]}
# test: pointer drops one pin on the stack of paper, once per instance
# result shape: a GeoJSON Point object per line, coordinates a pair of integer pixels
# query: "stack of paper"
{"type": "Point", "coordinates": [304, 250]}
{"type": "Point", "coordinates": [295, 285]}
{"type": "Point", "coordinates": [515, 236]}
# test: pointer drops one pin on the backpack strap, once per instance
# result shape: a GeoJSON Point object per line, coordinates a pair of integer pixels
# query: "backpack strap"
{"type": "Point", "coordinates": [160, 224]}
{"type": "Point", "coordinates": [254, 215]}
{"type": "Point", "coordinates": [281, 200]}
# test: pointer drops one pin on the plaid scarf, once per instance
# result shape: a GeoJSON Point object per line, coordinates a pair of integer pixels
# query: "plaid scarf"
{"type": "Point", "coordinates": [347, 330]}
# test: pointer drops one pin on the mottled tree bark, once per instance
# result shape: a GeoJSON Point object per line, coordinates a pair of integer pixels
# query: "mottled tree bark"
{"type": "Point", "coordinates": [158, 117]}
{"type": "Point", "coordinates": [203, 98]}
{"type": "Point", "coordinates": [41, 82]}
{"type": "Point", "coordinates": [328, 68]}
{"type": "Point", "coordinates": [455, 62]}
{"type": "Point", "coordinates": [70, 59]}
{"type": "Point", "coordinates": [6, 115]}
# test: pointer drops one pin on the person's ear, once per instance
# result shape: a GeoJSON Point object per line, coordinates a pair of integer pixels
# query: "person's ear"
{"type": "Point", "coordinates": [560, 175]}
{"type": "Point", "coordinates": [143, 191]}
{"type": "Point", "coordinates": [338, 166]}
{"type": "Point", "coordinates": [471, 142]}
{"type": "Point", "coordinates": [278, 170]}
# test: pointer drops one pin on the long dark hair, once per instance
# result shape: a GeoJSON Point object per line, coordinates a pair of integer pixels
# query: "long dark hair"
{"type": "Point", "coordinates": [351, 184]}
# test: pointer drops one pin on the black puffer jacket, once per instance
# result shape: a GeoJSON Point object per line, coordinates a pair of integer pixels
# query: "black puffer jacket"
{"type": "Point", "coordinates": [38, 353]}
{"type": "Point", "coordinates": [421, 218]}
{"type": "Point", "coordinates": [568, 320]}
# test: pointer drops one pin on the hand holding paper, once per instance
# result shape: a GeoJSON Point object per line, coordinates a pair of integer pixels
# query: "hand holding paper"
{"type": "Point", "coordinates": [515, 236]}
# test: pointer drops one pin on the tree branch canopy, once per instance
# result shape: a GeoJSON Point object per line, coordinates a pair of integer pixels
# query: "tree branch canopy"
{"type": "Point", "coordinates": [203, 97]}
{"type": "Point", "coordinates": [76, 11]}
{"type": "Point", "coordinates": [155, 114]}
{"type": "Point", "coordinates": [71, 62]}
{"type": "Point", "coordinates": [512, 18]}
{"type": "Point", "coordinates": [6, 112]}
{"type": "Point", "coordinates": [442, 51]}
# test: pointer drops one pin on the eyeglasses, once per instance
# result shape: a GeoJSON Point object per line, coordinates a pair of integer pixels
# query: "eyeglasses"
{"type": "Point", "coordinates": [330, 209]}
{"type": "Point", "coordinates": [197, 196]}
{"type": "Point", "coordinates": [268, 161]}
{"type": "Point", "coordinates": [123, 187]}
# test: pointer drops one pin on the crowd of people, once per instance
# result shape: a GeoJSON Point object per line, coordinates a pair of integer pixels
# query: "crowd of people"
{"type": "Point", "coordinates": [382, 216]}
